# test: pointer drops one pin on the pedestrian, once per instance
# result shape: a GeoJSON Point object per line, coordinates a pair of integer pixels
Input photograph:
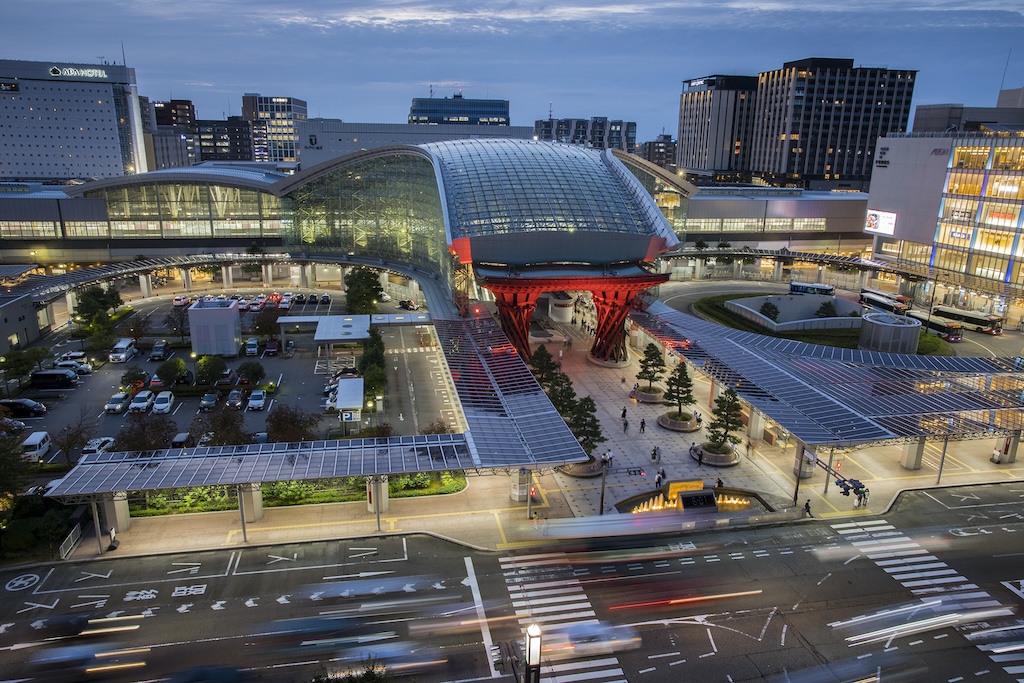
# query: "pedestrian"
{"type": "Point", "coordinates": [623, 412]}
{"type": "Point", "coordinates": [625, 426]}
{"type": "Point", "coordinates": [661, 472]}
{"type": "Point", "coordinates": [643, 426]}
{"type": "Point", "coordinates": [700, 419]}
{"type": "Point", "coordinates": [692, 446]}
{"type": "Point", "coordinates": [807, 509]}
{"type": "Point", "coordinates": [609, 456]}
{"type": "Point", "coordinates": [718, 483]}
{"type": "Point", "coordinates": [657, 480]}
{"type": "Point", "coordinates": [700, 457]}
{"type": "Point", "coordinates": [657, 454]}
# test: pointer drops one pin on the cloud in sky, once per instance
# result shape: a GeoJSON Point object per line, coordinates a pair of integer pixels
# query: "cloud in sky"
{"type": "Point", "coordinates": [365, 61]}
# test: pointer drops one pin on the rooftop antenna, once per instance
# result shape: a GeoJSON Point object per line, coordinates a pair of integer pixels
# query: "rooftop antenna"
{"type": "Point", "coordinates": [431, 90]}
{"type": "Point", "coordinates": [124, 60]}
{"type": "Point", "coordinates": [551, 111]}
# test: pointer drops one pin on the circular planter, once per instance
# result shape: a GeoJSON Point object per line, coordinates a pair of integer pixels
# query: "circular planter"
{"type": "Point", "coordinates": [715, 459]}
{"type": "Point", "coordinates": [654, 395]}
{"type": "Point", "coordinates": [667, 422]}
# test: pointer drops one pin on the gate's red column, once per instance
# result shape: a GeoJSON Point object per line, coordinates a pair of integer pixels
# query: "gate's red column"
{"type": "Point", "coordinates": [612, 308]}
{"type": "Point", "coordinates": [515, 310]}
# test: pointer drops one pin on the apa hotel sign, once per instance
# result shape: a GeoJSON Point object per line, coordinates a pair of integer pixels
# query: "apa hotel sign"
{"type": "Point", "coordinates": [74, 72]}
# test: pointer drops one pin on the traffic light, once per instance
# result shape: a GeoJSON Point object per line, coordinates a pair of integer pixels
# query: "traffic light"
{"type": "Point", "coordinates": [533, 491]}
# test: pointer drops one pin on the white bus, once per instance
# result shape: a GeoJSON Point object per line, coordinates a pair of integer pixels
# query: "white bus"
{"type": "Point", "coordinates": [882, 303]}
{"type": "Point", "coordinates": [980, 322]}
{"type": "Point", "coordinates": [905, 300]}
{"type": "Point", "coordinates": [811, 288]}
{"type": "Point", "coordinates": [950, 330]}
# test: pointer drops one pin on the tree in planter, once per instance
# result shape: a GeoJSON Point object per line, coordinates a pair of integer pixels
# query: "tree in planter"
{"type": "Point", "coordinates": [252, 268]}
{"type": "Point", "coordinates": [382, 431]}
{"type": "Point", "coordinates": [679, 391]}
{"type": "Point", "coordinates": [438, 426]}
{"type": "Point", "coordinates": [288, 424]}
{"type": "Point", "coordinates": [171, 370]}
{"type": "Point", "coordinates": [827, 309]}
{"type": "Point", "coordinates": [652, 365]}
{"type": "Point", "coordinates": [75, 435]}
{"type": "Point", "coordinates": [700, 244]}
{"type": "Point", "coordinates": [728, 412]}
{"type": "Point", "coordinates": [134, 379]}
{"type": "Point", "coordinates": [136, 327]}
{"type": "Point", "coordinates": [362, 291]}
{"type": "Point", "coordinates": [209, 369]}
{"type": "Point", "coordinates": [725, 260]}
{"type": "Point", "coordinates": [265, 322]}
{"type": "Point", "coordinates": [15, 473]}
{"type": "Point", "coordinates": [176, 321]}
{"type": "Point", "coordinates": [112, 296]}
{"type": "Point", "coordinates": [17, 365]}
{"type": "Point", "coordinates": [251, 371]}
{"type": "Point", "coordinates": [37, 354]}
{"type": "Point", "coordinates": [375, 380]}
{"type": "Point", "coordinates": [585, 426]}
{"type": "Point", "coordinates": [561, 394]}
{"type": "Point", "coordinates": [102, 336]}
{"type": "Point", "coordinates": [142, 432]}
{"type": "Point", "coordinates": [543, 366]}
{"type": "Point", "coordinates": [770, 311]}
{"type": "Point", "coordinates": [222, 426]}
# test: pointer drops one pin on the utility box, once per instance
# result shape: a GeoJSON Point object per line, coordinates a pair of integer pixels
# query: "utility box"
{"type": "Point", "coordinates": [216, 327]}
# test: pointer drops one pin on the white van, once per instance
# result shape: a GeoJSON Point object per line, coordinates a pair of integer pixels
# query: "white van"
{"type": "Point", "coordinates": [252, 347]}
{"type": "Point", "coordinates": [36, 446]}
{"type": "Point", "coordinates": [123, 351]}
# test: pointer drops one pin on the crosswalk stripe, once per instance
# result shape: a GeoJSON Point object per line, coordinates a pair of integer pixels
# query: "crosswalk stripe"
{"type": "Point", "coordinates": [588, 676]}
{"type": "Point", "coordinates": [921, 575]}
{"type": "Point", "coordinates": [554, 608]}
{"type": "Point", "coordinates": [950, 579]}
{"type": "Point", "coordinates": [546, 584]}
{"type": "Point", "coordinates": [567, 616]}
{"type": "Point", "coordinates": [921, 558]}
{"type": "Point", "coordinates": [547, 601]}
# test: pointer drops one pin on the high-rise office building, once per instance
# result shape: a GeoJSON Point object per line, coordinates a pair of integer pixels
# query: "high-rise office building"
{"type": "Point", "coordinates": [458, 110]}
{"type": "Point", "coordinates": [813, 123]}
{"type": "Point", "coordinates": [598, 132]}
{"type": "Point", "coordinates": [229, 140]}
{"type": "Point", "coordinates": [715, 126]}
{"type": "Point", "coordinates": [275, 137]}
{"type": "Point", "coordinates": [62, 121]}
{"type": "Point", "coordinates": [175, 113]}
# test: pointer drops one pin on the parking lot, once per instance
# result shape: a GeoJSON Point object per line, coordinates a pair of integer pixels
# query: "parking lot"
{"type": "Point", "coordinates": [418, 388]}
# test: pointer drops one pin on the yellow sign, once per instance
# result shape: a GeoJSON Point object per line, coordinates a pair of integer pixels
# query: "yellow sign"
{"type": "Point", "coordinates": [678, 486]}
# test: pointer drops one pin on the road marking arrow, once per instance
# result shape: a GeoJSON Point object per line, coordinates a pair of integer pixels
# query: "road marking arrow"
{"type": "Point", "coordinates": [251, 602]}
{"type": "Point", "coordinates": [278, 558]}
{"type": "Point", "coordinates": [149, 612]}
{"type": "Point", "coordinates": [90, 575]}
{"type": "Point", "coordinates": [35, 605]}
{"type": "Point", "coordinates": [363, 552]}
{"type": "Point", "coordinates": [190, 567]}
{"type": "Point", "coordinates": [183, 608]}
{"type": "Point", "coordinates": [283, 600]}
{"type": "Point", "coordinates": [116, 613]}
{"type": "Point", "coordinates": [218, 605]}
{"type": "Point", "coordinates": [4, 627]}
{"type": "Point", "coordinates": [360, 575]}
{"type": "Point", "coordinates": [38, 624]}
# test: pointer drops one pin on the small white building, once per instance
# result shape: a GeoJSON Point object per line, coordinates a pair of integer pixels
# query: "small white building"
{"type": "Point", "coordinates": [216, 327]}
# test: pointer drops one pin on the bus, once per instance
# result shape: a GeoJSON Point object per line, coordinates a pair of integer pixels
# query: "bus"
{"type": "Point", "coordinates": [981, 322]}
{"type": "Point", "coordinates": [950, 330]}
{"type": "Point", "coordinates": [907, 301]}
{"type": "Point", "coordinates": [811, 288]}
{"type": "Point", "coordinates": [882, 303]}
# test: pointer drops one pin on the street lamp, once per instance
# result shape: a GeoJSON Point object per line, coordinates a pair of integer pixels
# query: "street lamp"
{"type": "Point", "coordinates": [3, 368]}
{"type": "Point", "coordinates": [532, 654]}
{"type": "Point", "coordinates": [78, 319]}
{"type": "Point", "coordinates": [195, 367]}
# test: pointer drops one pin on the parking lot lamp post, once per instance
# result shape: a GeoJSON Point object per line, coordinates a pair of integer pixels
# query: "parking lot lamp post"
{"type": "Point", "coordinates": [195, 368]}
{"type": "Point", "coordinates": [3, 368]}
{"type": "Point", "coordinates": [78, 319]}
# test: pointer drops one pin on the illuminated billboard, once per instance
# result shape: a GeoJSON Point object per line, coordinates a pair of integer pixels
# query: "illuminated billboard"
{"type": "Point", "coordinates": [880, 222]}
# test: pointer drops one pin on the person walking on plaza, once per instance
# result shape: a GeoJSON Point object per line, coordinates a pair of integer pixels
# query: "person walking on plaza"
{"type": "Point", "coordinates": [807, 509]}
{"type": "Point", "coordinates": [643, 426]}
{"type": "Point", "coordinates": [625, 426]}
{"type": "Point", "coordinates": [718, 483]}
{"type": "Point", "coordinates": [700, 457]}
{"type": "Point", "coordinates": [657, 480]}
{"type": "Point", "coordinates": [623, 412]}
{"type": "Point", "coordinates": [661, 473]}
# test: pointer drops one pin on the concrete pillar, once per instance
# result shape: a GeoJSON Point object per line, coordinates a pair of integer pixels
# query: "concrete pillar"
{"type": "Point", "coordinates": [698, 269]}
{"type": "Point", "coordinates": [71, 299]}
{"type": "Point", "coordinates": [913, 453]}
{"type": "Point", "coordinates": [717, 390]}
{"type": "Point", "coordinates": [383, 501]}
{"type": "Point", "coordinates": [755, 426]}
{"type": "Point", "coordinates": [225, 275]}
{"type": "Point", "coordinates": [312, 274]}
{"type": "Point", "coordinates": [145, 285]}
{"type": "Point", "coordinates": [268, 275]}
{"type": "Point", "coordinates": [252, 501]}
{"type": "Point", "coordinates": [186, 279]}
{"type": "Point", "coordinates": [520, 485]}
{"type": "Point", "coordinates": [1010, 451]}
{"type": "Point", "coordinates": [115, 514]}
{"type": "Point", "coordinates": [821, 275]}
{"type": "Point", "coordinates": [737, 269]}
{"type": "Point", "coordinates": [865, 278]}
{"type": "Point", "coordinates": [777, 271]}
{"type": "Point", "coordinates": [802, 466]}
{"type": "Point", "coordinates": [304, 276]}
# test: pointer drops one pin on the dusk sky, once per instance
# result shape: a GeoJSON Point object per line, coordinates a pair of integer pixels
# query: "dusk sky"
{"type": "Point", "coordinates": [364, 60]}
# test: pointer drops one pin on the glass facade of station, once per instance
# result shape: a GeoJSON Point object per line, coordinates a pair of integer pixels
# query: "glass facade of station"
{"type": "Point", "coordinates": [384, 206]}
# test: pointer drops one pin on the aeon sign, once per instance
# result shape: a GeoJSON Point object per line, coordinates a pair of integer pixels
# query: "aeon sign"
{"type": "Point", "coordinates": [77, 73]}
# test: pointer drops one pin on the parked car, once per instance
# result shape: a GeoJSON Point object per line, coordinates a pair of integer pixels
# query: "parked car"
{"type": "Point", "coordinates": [285, 303]}
{"type": "Point", "coordinates": [118, 403]}
{"type": "Point", "coordinates": [161, 350]}
{"type": "Point", "coordinates": [100, 444]}
{"type": "Point", "coordinates": [23, 407]}
{"type": "Point", "coordinates": [163, 403]}
{"type": "Point", "coordinates": [8, 425]}
{"type": "Point", "coordinates": [272, 347]}
{"type": "Point", "coordinates": [257, 400]}
{"type": "Point", "coordinates": [300, 300]}
{"type": "Point", "coordinates": [180, 301]}
{"type": "Point", "coordinates": [408, 305]}
{"type": "Point", "coordinates": [236, 399]}
{"type": "Point", "coordinates": [325, 299]}
{"type": "Point", "coordinates": [384, 296]}
{"type": "Point", "coordinates": [243, 304]}
{"type": "Point", "coordinates": [142, 402]}
{"type": "Point", "coordinates": [78, 366]}
{"type": "Point", "coordinates": [209, 401]}
{"type": "Point", "coordinates": [156, 382]}
{"type": "Point", "coordinates": [73, 355]}
{"type": "Point", "coordinates": [229, 376]}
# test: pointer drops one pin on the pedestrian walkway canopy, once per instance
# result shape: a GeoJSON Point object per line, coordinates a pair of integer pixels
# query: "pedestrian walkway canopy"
{"type": "Point", "coordinates": [844, 397]}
